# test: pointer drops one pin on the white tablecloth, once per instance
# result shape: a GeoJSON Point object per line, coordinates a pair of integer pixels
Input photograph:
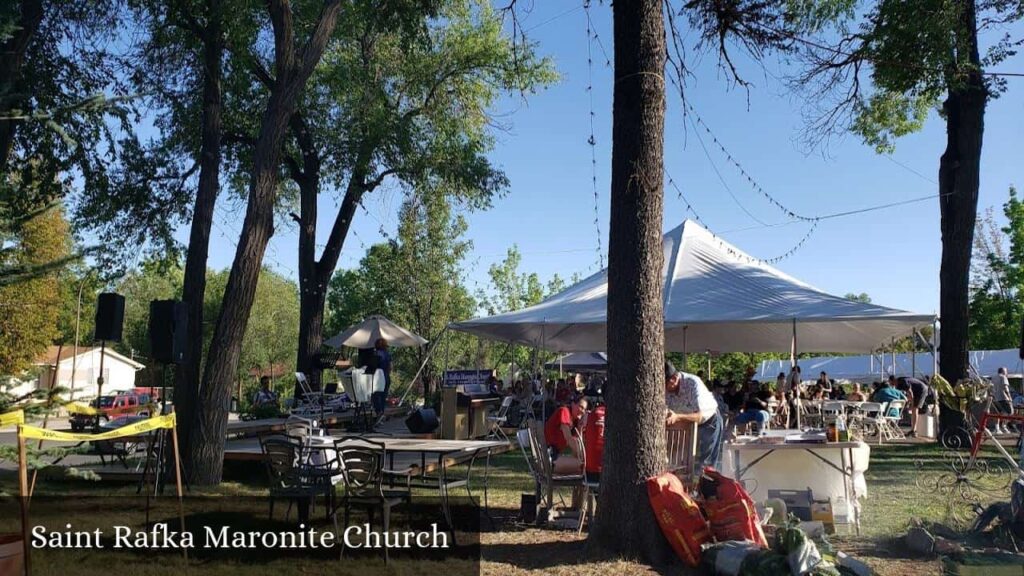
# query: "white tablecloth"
{"type": "Point", "coordinates": [791, 468]}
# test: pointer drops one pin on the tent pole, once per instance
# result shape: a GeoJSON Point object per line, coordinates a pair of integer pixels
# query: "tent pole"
{"type": "Point", "coordinates": [708, 351]}
{"type": "Point", "coordinates": [892, 354]}
{"type": "Point", "coordinates": [935, 348]}
{"type": "Point", "coordinates": [792, 348]}
{"type": "Point", "coordinates": [796, 387]}
{"type": "Point", "coordinates": [913, 353]}
{"type": "Point", "coordinates": [684, 347]}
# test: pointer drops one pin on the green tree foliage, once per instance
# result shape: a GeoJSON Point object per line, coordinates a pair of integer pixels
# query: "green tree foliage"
{"type": "Point", "coordinates": [414, 280]}
{"type": "Point", "coordinates": [270, 335]}
{"type": "Point", "coordinates": [862, 297]}
{"type": "Point", "coordinates": [998, 280]}
{"type": "Point", "coordinates": [29, 310]}
{"type": "Point", "coordinates": [153, 280]}
{"type": "Point", "coordinates": [511, 290]}
{"type": "Point", "coordinates": [61, 110]}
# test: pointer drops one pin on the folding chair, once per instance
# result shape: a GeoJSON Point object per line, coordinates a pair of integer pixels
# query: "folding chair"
{"type": "Point", "coordinates": [831, 411]}
{"type": "Point", "coordinates": [870, 416]}
{"type": "Point", "coordinates": [498, 419]}
{"type": "Point", "coordinates": [681, 451]}
{"type": "Point", "coordinates": [549, 480]}
{"type": "Point", "coordinates": [892, 416]}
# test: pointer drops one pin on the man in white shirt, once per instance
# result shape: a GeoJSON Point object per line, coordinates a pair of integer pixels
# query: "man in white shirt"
{"type": "Point", "coordinates": [687, 400]}
{"type": "Point", "coordinates": [1001, 398]}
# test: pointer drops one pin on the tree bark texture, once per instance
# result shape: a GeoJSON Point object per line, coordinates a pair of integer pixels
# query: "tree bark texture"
{"type": "Point", "coordinates": [292, 68]}
{"type": "Point", "coordinates": [314, 275]}
{"type": "Point", "coordinates": [959, 172]}
{"type": "Point", "coordinates": [635, 434]}
{"type": "Point", "coordinates": [186, 382]}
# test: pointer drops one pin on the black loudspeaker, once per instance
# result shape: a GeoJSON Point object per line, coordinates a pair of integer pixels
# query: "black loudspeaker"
{"type": "Point", "coordinates": [422, 421]}
{"type": "Point", "coordinates": [109, 317]}
{"type": "Point", "coordinates": [167, 327]}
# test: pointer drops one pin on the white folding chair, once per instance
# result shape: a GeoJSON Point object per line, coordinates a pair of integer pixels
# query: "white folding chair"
{"type": "Point", "coordinates": [893, 415]}
{"type": "Point", "coordinates": [871, 417]}
{"type": "Point", "coordinates": [830, 412]}
{"type": "Point", "coordinates": [499, 418]}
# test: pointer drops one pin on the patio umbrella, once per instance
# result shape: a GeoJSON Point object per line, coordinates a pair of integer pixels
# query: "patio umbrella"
{"type": "Point", "coordinates": [366, 333]}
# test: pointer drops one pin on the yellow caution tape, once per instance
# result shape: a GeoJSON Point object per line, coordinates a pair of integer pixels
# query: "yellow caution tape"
{"type": "Point", "coordinates": [14, 417]}
{"type": "Point", "coordinates": [79, 408]}
{"type": "Point", "coordinates": [136, 429]}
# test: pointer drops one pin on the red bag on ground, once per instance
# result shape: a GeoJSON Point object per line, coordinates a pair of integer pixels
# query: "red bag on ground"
{"type": "Point", "coordinates": [679, 516]}
{"type": "Point", "coordinates": [730, 509]}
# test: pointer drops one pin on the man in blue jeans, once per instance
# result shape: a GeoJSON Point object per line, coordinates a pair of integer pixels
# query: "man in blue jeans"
{"type": "Point", "coordinates": [688, 400]}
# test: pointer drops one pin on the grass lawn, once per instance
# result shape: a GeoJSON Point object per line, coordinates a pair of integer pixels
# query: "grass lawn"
{"type": "Point", "coordinates": [903, 484]}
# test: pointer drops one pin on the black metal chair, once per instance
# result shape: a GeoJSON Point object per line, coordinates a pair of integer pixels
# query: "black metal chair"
{"type": "Point", "coordinates": [362, 463]}
{"type": "Point", "coordinates": [292, 479]}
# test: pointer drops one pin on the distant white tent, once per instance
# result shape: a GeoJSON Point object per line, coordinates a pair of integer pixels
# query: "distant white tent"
{"type": "Point", "coordinates": [868, 368]}
{"type": "Point", "coordinates": [716, 298]}
{"type": "Point", "coordinates": [580, 362]}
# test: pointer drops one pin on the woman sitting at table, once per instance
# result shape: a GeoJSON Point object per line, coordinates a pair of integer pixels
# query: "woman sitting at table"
{"type": "Point", "coordinates": [564, 423]}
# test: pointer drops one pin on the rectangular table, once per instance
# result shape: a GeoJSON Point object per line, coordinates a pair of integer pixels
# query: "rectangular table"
{"type": "Point", "coordinates": [748, 455]}
{"type": "Point", "coordinates": [445, 452]}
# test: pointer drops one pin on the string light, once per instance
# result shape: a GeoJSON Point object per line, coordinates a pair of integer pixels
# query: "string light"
{"type": "Point", "coordinates": [753, 183]}
{"type": "Point", "coordinates": [592, 140]}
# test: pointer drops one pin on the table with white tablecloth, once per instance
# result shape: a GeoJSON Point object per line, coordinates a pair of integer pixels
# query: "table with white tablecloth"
{"type": "Point", "coordinates": [833, 470]}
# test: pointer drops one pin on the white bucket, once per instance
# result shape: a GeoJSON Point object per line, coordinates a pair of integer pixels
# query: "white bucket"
{"type": "Point", "coordinates": [925, 426]}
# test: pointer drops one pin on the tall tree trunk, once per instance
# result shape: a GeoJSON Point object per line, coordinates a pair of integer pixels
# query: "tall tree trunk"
{"type": "Point", "coordinates": [292, 71]}
{"type": "Point", "coordinates": [315, 275]}
{"type": "Point", "coordinates": [959, 170]}
{"type": "Point", "coordinates": [635, 433]}
{"type": "Point", "coordinates": [12, 58]}
{"type": "Point", "coordinates": [186, 381]}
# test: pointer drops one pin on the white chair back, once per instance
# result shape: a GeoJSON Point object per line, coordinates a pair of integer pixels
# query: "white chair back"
{"type": "Point", "coordinates": [506, 403]}
{"type": "Point", "coordinates": [871, 409]}
{"type": "Point", "coordinates": [831, 408]}
{"type": "Point", "coordinates": [894, 411]}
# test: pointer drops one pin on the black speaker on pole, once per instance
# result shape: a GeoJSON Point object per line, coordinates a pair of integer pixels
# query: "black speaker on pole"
{"type": "Point", "coordinates": [167, 327]}
{"type": "Point", "coordinates": [422, 421]}
{"type": "Point", "coordinates": [109, 317]}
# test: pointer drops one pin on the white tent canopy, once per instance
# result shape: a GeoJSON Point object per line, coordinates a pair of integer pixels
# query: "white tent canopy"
{"type": "Point", "coordinates": [716, 298]}
{"type": "Point", "coordinates": [366, 333]}
{"type": "Point", "coordinates": [869, 368]}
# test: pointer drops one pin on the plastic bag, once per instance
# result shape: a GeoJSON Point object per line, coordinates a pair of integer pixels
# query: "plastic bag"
{"type": "Point", "coordinates": [726, 558]}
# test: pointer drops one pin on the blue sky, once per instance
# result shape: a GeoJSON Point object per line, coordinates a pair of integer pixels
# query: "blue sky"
{"type": "Point", "coordinates": [891, 254]}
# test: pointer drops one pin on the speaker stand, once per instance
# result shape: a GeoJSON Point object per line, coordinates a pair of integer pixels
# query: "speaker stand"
{"type": "Point", "coordinates": [99, 388]}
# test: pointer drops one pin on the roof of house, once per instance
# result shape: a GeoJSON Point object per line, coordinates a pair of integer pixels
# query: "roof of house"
{"type": "Point", "coordinates": [49, 358]}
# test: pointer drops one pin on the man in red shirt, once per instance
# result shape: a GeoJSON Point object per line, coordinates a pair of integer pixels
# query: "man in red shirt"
{"type": "Point", "coordinates": [558, 434]}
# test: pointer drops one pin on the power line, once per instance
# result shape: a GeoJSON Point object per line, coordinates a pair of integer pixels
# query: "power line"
{"type": "Point", "coordinates": [552, 19]}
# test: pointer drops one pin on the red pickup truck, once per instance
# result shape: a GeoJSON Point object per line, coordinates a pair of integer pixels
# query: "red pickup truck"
{"type": "Point", "coordinates": [111, 407]}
